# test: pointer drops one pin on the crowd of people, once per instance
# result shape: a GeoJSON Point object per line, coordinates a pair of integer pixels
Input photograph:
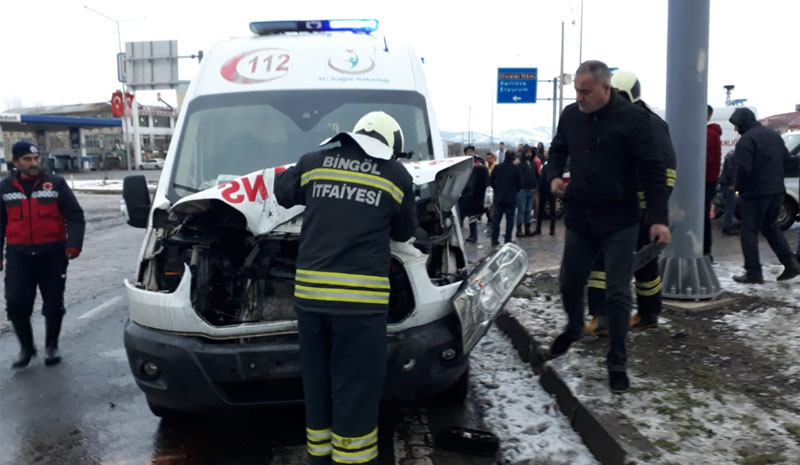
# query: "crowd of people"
{"type": "Point", "coordinates": [518, 193]}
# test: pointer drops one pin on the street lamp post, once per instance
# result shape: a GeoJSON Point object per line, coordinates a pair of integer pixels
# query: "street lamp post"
{"type": "Point", "coordinates": [561, 74]}
{"type": "Point", "coordinates": [125, 131]}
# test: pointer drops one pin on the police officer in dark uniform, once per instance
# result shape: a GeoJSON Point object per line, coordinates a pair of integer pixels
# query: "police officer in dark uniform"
{"type": "Point", "coordinates": [608, 142]}
{"type": "Point", "coordinates": [356, 198]}
{"type": "Point", "coordinates": [42, 227]}
{"type": "Point", "coordinates": [647, 278]}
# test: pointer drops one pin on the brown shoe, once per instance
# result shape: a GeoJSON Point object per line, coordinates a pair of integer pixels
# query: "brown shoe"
{"type": "Point", "coordinates": [597, 327]}
{"type": "Point", "coordinates": [639, 322]}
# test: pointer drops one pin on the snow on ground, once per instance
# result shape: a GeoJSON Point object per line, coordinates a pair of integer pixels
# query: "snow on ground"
{"type": "Point", "coordinates": [518, 410]}
{"type": "Point", "coordinates": [110, 185]}
{"type": "Point", "coordinates": [688, 424]}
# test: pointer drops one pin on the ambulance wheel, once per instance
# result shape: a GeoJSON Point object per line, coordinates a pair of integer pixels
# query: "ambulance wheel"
{"type": "Point", "coordinates": [457, 393]}
{"type": "Point", "coordinates": [164, 412]}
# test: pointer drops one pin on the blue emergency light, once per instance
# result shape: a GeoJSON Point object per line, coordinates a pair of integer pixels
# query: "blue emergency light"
{"type": "Point", "coordinates": [365, 26]}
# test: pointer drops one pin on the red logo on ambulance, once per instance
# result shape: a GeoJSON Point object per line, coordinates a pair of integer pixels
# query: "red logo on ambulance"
{"type": "Point", "coordinates": [255, 66]}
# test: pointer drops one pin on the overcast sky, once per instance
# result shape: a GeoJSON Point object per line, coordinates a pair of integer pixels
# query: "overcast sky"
{"type": "Point", "coordinates": [58, 52]}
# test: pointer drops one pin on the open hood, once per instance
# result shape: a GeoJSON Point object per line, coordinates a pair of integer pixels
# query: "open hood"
{"type": "Point", "coordinates": [252, 194]}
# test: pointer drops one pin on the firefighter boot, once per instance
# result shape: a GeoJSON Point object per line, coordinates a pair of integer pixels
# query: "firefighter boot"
{"type": "Point", "coordinates": [639, 322]}
{"type": "Point", "coordinates": [520, 233]}
{"type": "Point", "coordinates": [52, 326]}
{"type": "Point", "coordinates": [597, 327]}
{"type": "Point", "coordinates": [528, 231]}
{"type": "Point", "coordinates": [25, 335]}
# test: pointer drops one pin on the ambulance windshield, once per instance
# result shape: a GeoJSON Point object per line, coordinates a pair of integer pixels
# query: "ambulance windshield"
{"type": "Point", "coordinates": [226, 136]}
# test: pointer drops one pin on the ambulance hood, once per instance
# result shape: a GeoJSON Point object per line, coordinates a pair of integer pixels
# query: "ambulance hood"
{"type": "Point", "coordinates": [252, 195]}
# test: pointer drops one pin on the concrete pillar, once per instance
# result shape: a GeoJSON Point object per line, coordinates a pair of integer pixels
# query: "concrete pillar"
{"type": "Point", "coordinates": [82, 133]}
{"type": "Point", "coordinates": [137, 138]}
{"type": "Point", "coordinates": [686, 273]}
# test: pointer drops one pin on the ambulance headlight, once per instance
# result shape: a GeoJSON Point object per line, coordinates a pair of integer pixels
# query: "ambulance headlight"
{"type": "Point", "coordinates": [480, 298]}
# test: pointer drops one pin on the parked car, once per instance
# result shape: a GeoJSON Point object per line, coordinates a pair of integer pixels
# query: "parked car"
{"type": "Point", "coordinates": [790, 211]}
{"type": "Point", "coordinates": [211, 321]}
{"type": "Point", "coordinates": [152, 164]}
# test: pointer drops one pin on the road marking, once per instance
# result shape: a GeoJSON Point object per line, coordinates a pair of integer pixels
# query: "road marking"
{"type": "Point", "coordinates": [100, 308]}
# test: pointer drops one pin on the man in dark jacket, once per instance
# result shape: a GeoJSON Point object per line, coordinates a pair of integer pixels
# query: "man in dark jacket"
{"type": "Point", "coordinates": [42, 227]}
{"type": "Point", "coordinates": [356, 198]}
{"type": "Point", "coordinates": [470, 204]}
{"type": "Point", "coordinates": [761, 157]}
{"type": "Point", "coordinates": [648, 277]}
{"type": "Point", "coordinates": [506, 181]}
{"type": "Point", "coordinates": [728, 189]}
{"type": "Point", "coordinates": [526, 194]}
{"type": "Point", "coordinates": [713, 157]}
{"type": "Point", "coordinates": [608, 142]}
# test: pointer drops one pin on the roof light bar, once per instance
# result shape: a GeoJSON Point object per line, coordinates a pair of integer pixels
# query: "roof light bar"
{"type": "Point", "coordinates": [365, 26]}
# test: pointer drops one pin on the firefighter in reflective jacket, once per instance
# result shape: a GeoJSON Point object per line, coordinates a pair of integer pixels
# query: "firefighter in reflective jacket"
{"type": "Point", "coordinates": [356, 198]}
{"type": "Point", "coordinates": [648, 278]}
{"type": "Point", "coordinates": [41, 226]}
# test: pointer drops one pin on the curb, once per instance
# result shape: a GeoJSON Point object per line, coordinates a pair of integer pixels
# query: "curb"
{"type": "Point", "coordinates": [604, 445]}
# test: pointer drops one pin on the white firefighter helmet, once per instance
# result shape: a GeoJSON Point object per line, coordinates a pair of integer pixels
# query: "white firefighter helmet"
{"type": "Point", "coordinates": [383, 127]}
{"type": "Point", "coordinates": [627, 83]}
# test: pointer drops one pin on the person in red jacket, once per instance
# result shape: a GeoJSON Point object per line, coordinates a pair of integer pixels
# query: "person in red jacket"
{"type": "Point", "coordinates": [41, 226]}
{"type": "Point", "coordinates": [713, 157]}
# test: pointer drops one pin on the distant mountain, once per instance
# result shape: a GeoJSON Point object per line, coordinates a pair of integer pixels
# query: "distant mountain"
{"type": "Point", "coordinates": [511, 137]}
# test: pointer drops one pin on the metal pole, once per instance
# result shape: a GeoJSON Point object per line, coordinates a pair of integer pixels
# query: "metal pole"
{"type": "Point", "coordinates": [555, 97]}
{"type": "Point", "coordinates": [469, 126]}
{"type": "Point", "coordinates": [561, 74]}
{"type": "Point", "coordinates": [126, 133]}
{"type": "Point", "coordinates": [580, 46]}
{"type": "Point", "coordinates": [687, 274]}
{"type": "Point", "coordinates": [491, 123]}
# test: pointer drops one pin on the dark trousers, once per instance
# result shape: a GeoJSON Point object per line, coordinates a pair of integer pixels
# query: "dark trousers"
{"type": "Point", "coordinates": [546, 200]}
{"type": "Point", "coordinates": [729, 197]}
{"type": "Point", "coordinates": [500, 209]}
{"type": "Point", "coordinates": [759, 215]}
{"type": "Point", "coordinates": [647, 279]}
{"type": "Point", "coordinates": [580, 251]}
{"type": "Point", "coordinates": [343, 362]}
{"type": "Point", "coordinates": [473, 226]}
{"type": "Point", "coordinates": [24, 273]}
{"type": "Point", "coordinates": [711, 191]}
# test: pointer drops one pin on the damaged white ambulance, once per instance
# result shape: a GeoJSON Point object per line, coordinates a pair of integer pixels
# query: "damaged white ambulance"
{"type": "Point", "coordinates": [211, 322]}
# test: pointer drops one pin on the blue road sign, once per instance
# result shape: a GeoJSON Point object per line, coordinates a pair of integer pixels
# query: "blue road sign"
{"type": "Point", "coordinates": [516, 85]}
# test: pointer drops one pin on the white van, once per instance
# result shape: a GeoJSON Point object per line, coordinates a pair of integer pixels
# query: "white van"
{"type": "Point", "coordinates": [211, 321]}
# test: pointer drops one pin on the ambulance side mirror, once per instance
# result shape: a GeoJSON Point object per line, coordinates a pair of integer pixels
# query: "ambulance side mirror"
{"type": "Point", "coordinates": [137, 200]}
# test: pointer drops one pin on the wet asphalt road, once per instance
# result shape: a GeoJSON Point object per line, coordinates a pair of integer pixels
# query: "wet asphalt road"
{"type": "Point", "coordinates": [88, 410]}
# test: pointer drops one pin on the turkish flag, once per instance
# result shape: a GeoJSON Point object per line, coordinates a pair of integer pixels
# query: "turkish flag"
{"type": "Point", "coordinates": [117, 109]}
{"type": "Point", "coordinates": [128, 104]}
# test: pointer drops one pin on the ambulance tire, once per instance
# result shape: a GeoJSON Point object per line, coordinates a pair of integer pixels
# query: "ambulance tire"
{"type": "Point", "coordinates": [457, 393]}
{"type": "Point", "coordinates": [164, 412]}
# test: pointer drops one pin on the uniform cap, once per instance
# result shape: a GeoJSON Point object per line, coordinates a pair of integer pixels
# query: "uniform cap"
{"type": "Point", "coordinates": [23, 148]}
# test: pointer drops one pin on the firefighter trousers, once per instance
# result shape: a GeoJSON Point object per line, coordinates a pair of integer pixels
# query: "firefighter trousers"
{"type": "Point", "coordinates": [343, 362]}
{"type": "Point", "coordinates": [647, 279]}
